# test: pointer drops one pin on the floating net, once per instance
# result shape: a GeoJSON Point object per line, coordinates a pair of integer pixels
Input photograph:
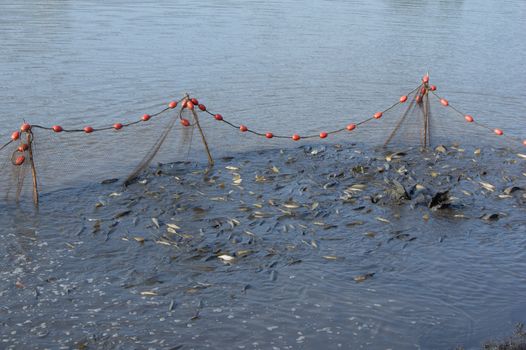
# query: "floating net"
{"type": "Point", "coordinates": [38, 159]}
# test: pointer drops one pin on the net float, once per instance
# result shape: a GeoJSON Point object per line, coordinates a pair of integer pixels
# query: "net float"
{"type": "Point", "coordinates": [468, 118]}
{"type": "Point", "coordinates": [433, 87]}
{"type": "Point", "coordinates": [117, 126]}
{"type": "Point", "coordinates": [25, 127]}
{"type": "Point", "coordinates": [498, 132]}
{"type": "Point", "coordinates": [378, 115]}
{"type": "Point", "coordinates": [423, 91]}
{"type": "Point", "coordinates": [218, 117]}
{"type": "Point", "coordinates": [425, 79]}
{"type": "Point", "coordinates": [20, 160]}
{"type": "Point", "coordinates": [57, 128]}
{"type": "Point", "coordinates": [23, 147]}
{"type": "Point", "coordinates": [243, 128]}
{"type": "Point", "coordinates": [172, 104]}
{"type": "Point", "coordinates": [323, 135]}
{"type": "Point", "coordinates": [444, 102]}
{"type": "Point", "coordinates": [185, 122]}
{"type": "Point", "coordinates": [296, 137]}
{"type": "Point", "coordinates": [189, 105]}
{"type": "Point", "coordinates": [351, 127]}
{"type": "Point", "coordinates": [418, 99]}
{"type": "Point", "coordinates": [524, 142]}
{"type": "Point", "coordinates": [202, 107]}
{"type": "Point", "coordinates": [194, 101]}
{"type": "Point", "coordinates": [403, 99]}
{"type": "Point", "coordinates": [269, 135]}
{"type": "Point", "coordinates": [146, 117]}
{"type": "Point", "coordinates": [15, 135]}
{"type": "Point", "coordinates": [88, 129]}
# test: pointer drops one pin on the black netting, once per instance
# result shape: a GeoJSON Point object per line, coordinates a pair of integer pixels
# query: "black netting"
{"type": "Point", "coordinates": [73, 157]}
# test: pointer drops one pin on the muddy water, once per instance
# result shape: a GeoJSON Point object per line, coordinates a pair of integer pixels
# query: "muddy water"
{"type": "Point", "coordinates": [314, 247]}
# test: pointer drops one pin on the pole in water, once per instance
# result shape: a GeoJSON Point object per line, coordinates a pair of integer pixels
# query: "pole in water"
{"type": "Point", "coordinates": [33, 169]}
{"type": "Point", "coordinates": [210, 159]}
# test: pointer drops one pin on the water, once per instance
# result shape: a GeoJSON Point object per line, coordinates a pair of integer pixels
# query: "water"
{"type": "Point", "coordinates": [289, 67]}
{"type": "Point", "coordinates": [268, 64]}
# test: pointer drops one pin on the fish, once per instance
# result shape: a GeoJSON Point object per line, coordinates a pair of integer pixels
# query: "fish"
{"type": "Point", "coordinates": [383, 220]}
{"type": "Point", "coordinates": [226, 257]}
{"type": "Point", "coordinates": [364, 277]}
{"type": "Point", "coordinates": [487, 186]}
{"type": "Point", "coordinates": [149, 293]}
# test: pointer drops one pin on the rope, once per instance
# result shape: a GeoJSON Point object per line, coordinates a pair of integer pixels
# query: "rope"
{"type": "Point", "coordinates": [5, 145]}
{"type": "Point", "coordinates": [258, 133]}
{"type": "Point", "coordinates": [456, 110]}
{"type": "Point", "coordinates": [201, 107]}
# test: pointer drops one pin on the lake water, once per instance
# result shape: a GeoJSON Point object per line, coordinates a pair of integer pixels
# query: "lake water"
{"type": "Point", "coordinates": [286, 67]}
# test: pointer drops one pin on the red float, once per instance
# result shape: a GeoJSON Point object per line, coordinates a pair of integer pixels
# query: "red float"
{"type": "Point", "coordinates": [194, 101]}
{"type": "Point", "coordinates": [351, 127]}
{"type": "Point", "coordinates": [146, 117]}
{"type": "Point", "coordinates": [172, 104]}
{"type": "Point", "coordinates": [469, 118]}
{"type": "Point", "coordinates": [423, 91]}
{"type": "Point", "coordinates": [425, 79]}
{"type": "Point", "coordinates": [243, 128]}
{"type": "Point", "coordinates": [202, 107]}
{"type": "Point", "coordinates": [23, 147]}
{"type": "Point", "coordinates": [433, 87]}
{"type": "Point", "coordinates": [378, 115]}
{"type": "Point", "coordinates": [88, 129]}
{"type": "Point", "coordinates": [444, 102]}
{"type": "Point", "coordinates": [524, 142]}
{"type": "Point", "coordinates": [498, 132]}
{"type": "Point", "coordinates": [269, 135]}
{"type": "Point", "coordinates": [117, 126]}
{"type": "Point", "coordinates": [185, 122]}
{"type": "Point", "coordinates": [189, 105]}
{"type": "Point", "coordinates": [296, 137]}
{"type": "Point", "coordinates": [418, 99]}
{"type": "Point", "coordinates": [218, 117]}
{"type": "Point", "coordinates": [403, 99]}
{"type": "Point", "coordinates": [57, 128]}
{"type": "Point", "coordinates": [323, 135]}
{"type": "Point", "coordinates": [20, 160]}
{"type": "Point", "coordinates": [15, 135]}
{"type": "Point", "coordinates": [25, 127]}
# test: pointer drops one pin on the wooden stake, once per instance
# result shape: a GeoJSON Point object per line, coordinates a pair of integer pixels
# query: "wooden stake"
{"type": "Point", "coordinates": [210, 159]}
{"type": "Point", "coordinates": [33, 169]}
{"type": "Point", "coordinates": [426, 111]}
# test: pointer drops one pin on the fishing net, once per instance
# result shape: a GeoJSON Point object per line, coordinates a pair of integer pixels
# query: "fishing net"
{"type": "Point", "coordinates": [39, 159]}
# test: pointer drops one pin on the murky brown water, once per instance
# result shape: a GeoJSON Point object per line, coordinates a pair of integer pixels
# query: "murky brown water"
{"type": "Point", "coordinates": [439, 280]}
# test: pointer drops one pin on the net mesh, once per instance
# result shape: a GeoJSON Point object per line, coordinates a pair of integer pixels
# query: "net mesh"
{"type": "Point", "coordinates": [73, 156]}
